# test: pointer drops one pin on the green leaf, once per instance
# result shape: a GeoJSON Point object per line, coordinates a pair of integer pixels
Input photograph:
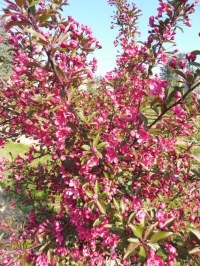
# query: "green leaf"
{"type": "Point", "coordinates": [131, 217]}
{"type": "Point", "coordinates": [196, 52]}
{"type": "Point", "coordinates": [49, 256]}
{"type": "Point", "coordinates": [85, 147]}
{"type": "Point", "coordinates": [131, 249]}
{"type": "Point", "coordinates": [86, 184]}
{"type": "Point", "coordinates": [102, 145]}
{"type": "Point", "coordinates": [40, 238]}
{"type": "Point", "coordinates": [19, 3]}
{"type": "Point", "coordinates": [159, 236]}
{"type": "Point", "coordinates": [118, 216]}
{"type": "Point", "coordinates": [1, 236]}
{"type": "Point", "coordinates": [59, 39]}
{"type": "Point", "coordinates": [117, 230]}
{"type": "Point", "coordinates": [71, 94]}
{"type": "Point", "coordinates": [144, 119]}
{"type": "Point", "coordinates": [116, 203]}
{"type": "Point", "coordinates": [193, 251]}
{"type": "Point", "coordinates": [30, 112]}
{"type": "Point", "coordinates": [195, 231]}
{"type": "Point", "coordinates": [180, 73]}
{"type": "Point", "coordinates": [33, 3]}
{"type": "Point", "coordinates": [107, 225]}
{"type": "Point", "coordinates": [106, 175]}
{"type": "Point", "coordinates": [155, 108]}
{"type": "Point", "coordinates": [122, 206]}
{"type": "Point", "coordinates": [92, 116]}
{"type": "Point", "coordinates": [96, 141]}
{"type": "Point", "coordinates": [43, 18]}
{"type": "Point", "coordinates": [96, 188]}
{"type": "Point", "coordinates": [20, 24]}
{"type": "Point", "coordinates": [137, 230]}
{"type": "Point", "coordinates": [171, 96]}
{"type": "Point", "coordinates": [99, 155]}
{"type": "Point", "coordinates": [154, 246]}
{"type": "Point", "coordinates": [169, 221]}
{"type": "Point", "coordinates": [89, 193]}
{"type": "Point", "coordinates": [98, 221]}
{"type": "Point", "coordinates": [142, 252]}
{"type": "Point", "coordinates": [133, 240]}
{"type": "Point", "coordinates": [82, 116]}
{"type": "Point", "coordinates": [36, 34]}
{"type": "Point", "coordinates": [195, 64]}
{"type": "Point", "coordinates": [196, 173]}
{"type": "Point", "coordinates": [156, 131]}
{"type": "Point", "coordinates": [101, 206]}
{"type": "Point", "coordinates": [60, 72]}
{"type": "Point", "coordinates": [73, 52]}
{"type": "Point", "coordinates": [149, 230]}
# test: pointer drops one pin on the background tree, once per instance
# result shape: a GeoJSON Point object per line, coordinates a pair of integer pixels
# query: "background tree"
{"type": "Point", "coordinates": [6, 63]}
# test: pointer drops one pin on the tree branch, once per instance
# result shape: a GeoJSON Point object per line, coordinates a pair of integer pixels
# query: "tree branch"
{"type": "Point", "coordinates": [173, 105]}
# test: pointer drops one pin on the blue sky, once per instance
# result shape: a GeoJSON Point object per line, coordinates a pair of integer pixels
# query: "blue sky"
{"type": "Point", "coordinates": [96, 14]}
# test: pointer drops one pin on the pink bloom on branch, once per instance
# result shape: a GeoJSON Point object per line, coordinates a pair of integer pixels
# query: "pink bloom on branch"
{"type": "Point", "coordinates": [111, 155]}
{"type": "Point", "coordinates": [188, 24]}
{"type": "Point", "coordinates": [172, 63]}
{"type": "Point", "coordinates": [2, 142]}
{"type": "Point", "coordinates": [151, 20]}
{"type": "Point", "coordinates": [73, 44]}
{"type": "Point", "coordinates": [62, 28]}
{"type": "Point", "coordinates": [18, 177]}
{"type": "Point", "coordinates": [149, 40]}
{"type": "Point", "coordinates": [42, 260]}
{"type": "Point", "coordinates": [153, 260]}
{"type": "Point", "coordinates": [191, 57]}
{"type": "Point", "coordinates": [181, 64]}
{"type": "Point", "coordinates": [177, 95]}
{"type": "Point", "coordinates": [93, 161]}
{"type": "Point", "coordinates": [140, 215]}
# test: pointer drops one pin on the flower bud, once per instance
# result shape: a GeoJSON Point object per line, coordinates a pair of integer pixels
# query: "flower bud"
{"type": "Point", "coordinates": [63, 44]}
{"type": "Point", "coordinates": [62, 28]}
{"type": "Point", "coordinates": [181, 64]}
{"type": "Point", "coordinates": [172, 63]}
{"type": "Point", "coordinates": [177, 95]}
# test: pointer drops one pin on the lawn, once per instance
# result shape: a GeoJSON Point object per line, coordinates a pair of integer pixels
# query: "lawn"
{"type": "Point", "coordinates": [12, 149]}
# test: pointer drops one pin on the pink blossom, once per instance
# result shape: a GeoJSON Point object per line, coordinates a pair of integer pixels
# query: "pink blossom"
{"type": "Point", "coordinates": [111, 155]}
{"type": "Point", "coordinates": [151, 20]}
{"type": "Point", "coordinates": [140, 215]}
{"type": "Point", "coordinates": [153, 260]}
{"type": "Point", "coordinates": [172, 63]}
{"type": "Point", "coordinates": [93, 161]}
{"type": "Point", "coordinates": [181, 63]}
{"type": "Point", "coordinates": [177, 95]}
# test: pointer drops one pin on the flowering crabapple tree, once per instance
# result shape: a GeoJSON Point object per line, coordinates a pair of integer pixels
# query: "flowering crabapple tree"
{"type": "Point", "coordinates": [115, 185]}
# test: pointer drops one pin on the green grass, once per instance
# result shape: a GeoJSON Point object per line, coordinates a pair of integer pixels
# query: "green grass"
{"type": "Point", "coordinates": [196, 150]}
{"type": "Point", "coordinates": [12, 149]}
